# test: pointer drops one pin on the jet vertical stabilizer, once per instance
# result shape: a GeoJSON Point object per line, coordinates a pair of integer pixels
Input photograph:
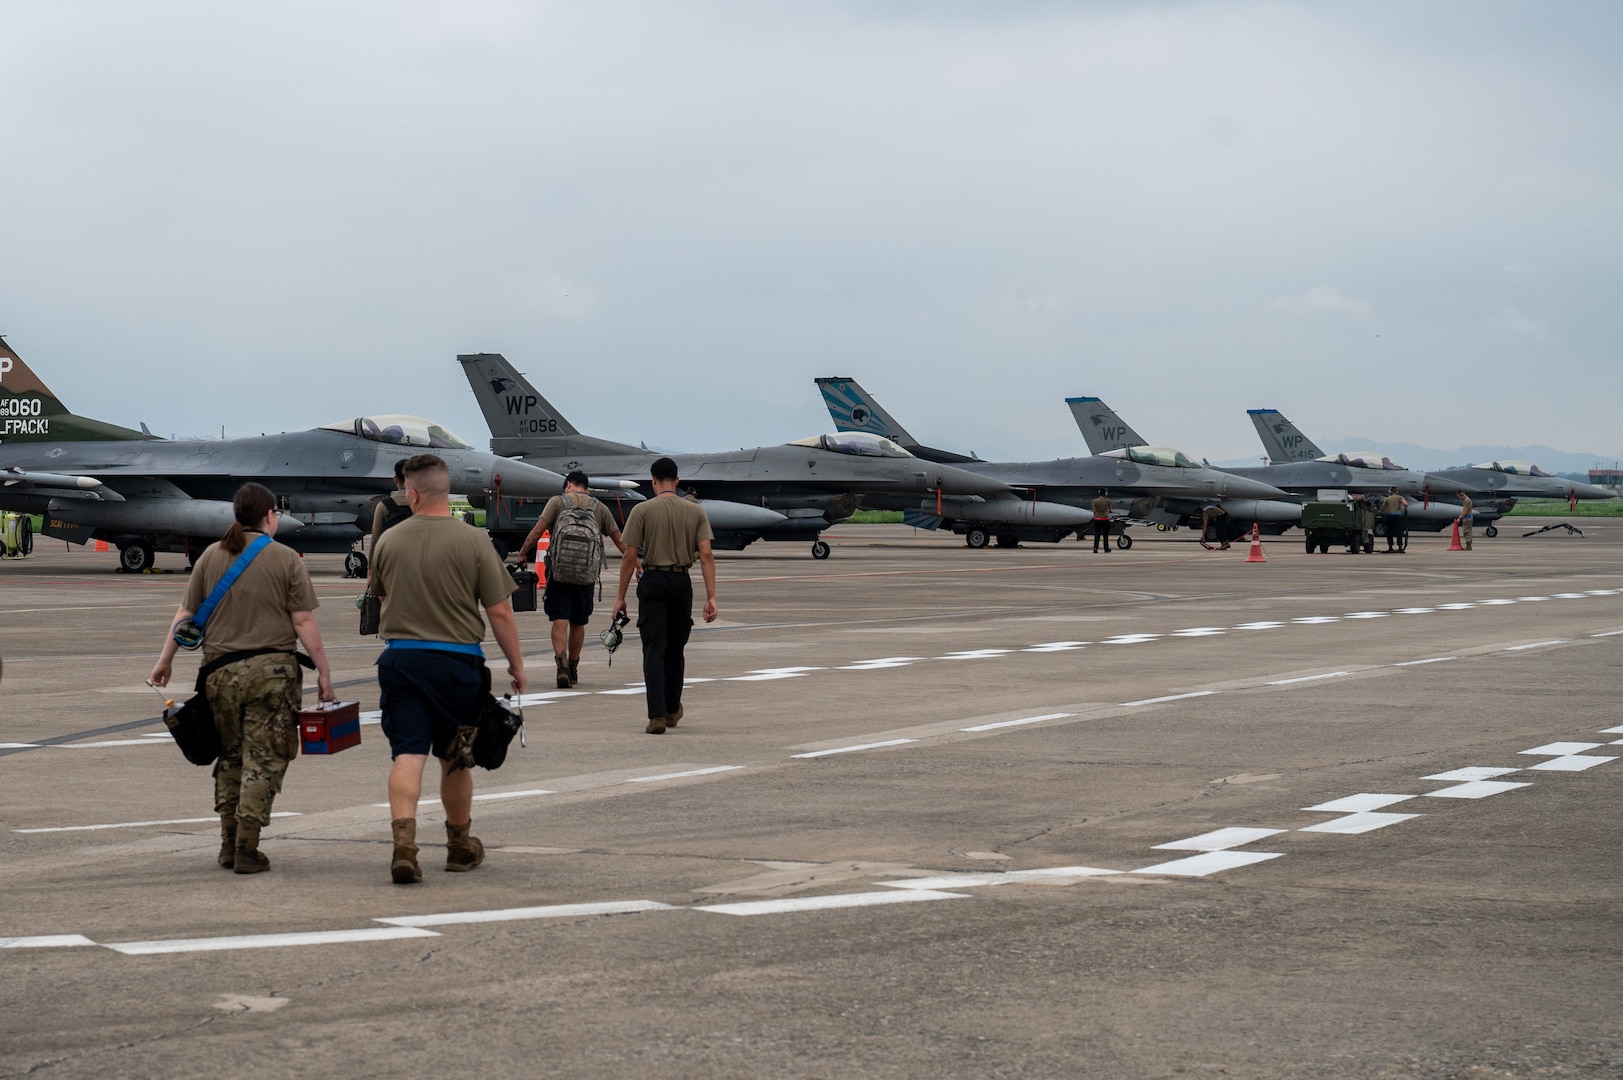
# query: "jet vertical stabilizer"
{"type": "Point", "coordinates": [521, 421]}
{"type": "Point", "coordinates": [854, 409]}
{"type": "Point", "coordinates": [1281, 440]}
{"type": "Point", "coordinates": [1102, 429]}
{"type": "Point", "coordinates": [29, 412]}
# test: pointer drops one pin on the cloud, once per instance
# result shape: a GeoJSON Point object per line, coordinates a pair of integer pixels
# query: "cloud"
{"type": "Point", "coordinates": [1510, 319]}
{"type": "Point", "coordinates": [1325, 299]}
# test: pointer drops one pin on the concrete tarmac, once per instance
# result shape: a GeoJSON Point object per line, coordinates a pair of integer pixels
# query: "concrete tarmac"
{"type": "Point", "coordinates": [931, 812]}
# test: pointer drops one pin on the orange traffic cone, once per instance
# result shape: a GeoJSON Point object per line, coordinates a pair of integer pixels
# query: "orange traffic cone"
{"type": "Point", "coordinates": [541, 547]}
{"type": "Point", "coordinates": [1256, 545]}
{"type": "Point", "coordinates": [101, 545]}
{"type": "Point", "coordinates": [1454, 544]}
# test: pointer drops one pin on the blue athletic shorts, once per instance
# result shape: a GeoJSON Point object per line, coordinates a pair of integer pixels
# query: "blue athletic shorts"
{"type": "Point", "coordinates": [426, 694]}
{"type": "Point", "coordinates": [572, 602]}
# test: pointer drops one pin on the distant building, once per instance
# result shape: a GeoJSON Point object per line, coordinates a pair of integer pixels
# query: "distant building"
{"type": "Point", "coordinates": [1604, 476]}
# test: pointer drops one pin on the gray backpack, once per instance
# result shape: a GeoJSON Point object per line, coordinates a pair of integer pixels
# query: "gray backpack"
{"type": "Point", "coordinates": [575, 556]}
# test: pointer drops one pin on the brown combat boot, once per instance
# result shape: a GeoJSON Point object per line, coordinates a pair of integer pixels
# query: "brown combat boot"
{"type": "Point", "coordinates": [574, 671]}
{"type": "Point", "coordinates": [671, 720]}
{"type": "Point", "coordinates": [656, 725]}
{"type": "Point", "coordinates": [563, 670]}
{"type": "Point", "coordinates": [404, 869]}
{"type": "Point", "coordinates": [228, 842]}
{"type": "Point", "coordinates": [247, 858]}
{"type": "Point", "coordinates": [462, 852]}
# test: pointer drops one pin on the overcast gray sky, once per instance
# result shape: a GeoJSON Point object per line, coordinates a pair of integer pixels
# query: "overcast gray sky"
{"type": "Point", "coordinates": [1392, 219]}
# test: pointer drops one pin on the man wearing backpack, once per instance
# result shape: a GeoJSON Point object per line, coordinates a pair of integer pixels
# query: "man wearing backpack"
{"type": "Point", "coordinates": [578, 523]}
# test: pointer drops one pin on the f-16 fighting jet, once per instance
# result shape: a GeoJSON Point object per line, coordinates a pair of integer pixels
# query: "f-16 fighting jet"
{"type": "Point", "coordinates": [90, 480]}
{"type": "Point", "coordinates": [1160, 487]}
{"type": "Point", "coordinates": [788, 492]}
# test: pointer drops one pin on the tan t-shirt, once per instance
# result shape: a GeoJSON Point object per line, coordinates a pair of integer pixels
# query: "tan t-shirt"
{"type": "Point", "coordinates": [1392, 504]}
{"type": "Point", "coordinates": [555, 506]}
{"type": "Point", "coordinates": [380, 516]}
{"type": "Point", "coordinates": [1101, 508]}
{"type": "Point", "coordinates": [433, 574]}
{"type": "Point", "coordinates": [666, 530]}
{"type": "Point", "coordinates": [255, 611]}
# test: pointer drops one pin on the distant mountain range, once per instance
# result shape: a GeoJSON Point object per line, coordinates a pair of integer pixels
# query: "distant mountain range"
{"type": "Point", "coordinates": [1424, 457]}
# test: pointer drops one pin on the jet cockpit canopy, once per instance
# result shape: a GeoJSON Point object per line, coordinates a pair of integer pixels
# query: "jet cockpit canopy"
{"type": "Point", "coordinates": [857, 443]}
{"type": "Point", "coordinates": [400, 429]}
{"type": "Point", "coordinates": [1154, 455]}
{"type": "Point", "coordinates": [1364, 460]}
{"type": "Point", "coordinates": [1514, 468]}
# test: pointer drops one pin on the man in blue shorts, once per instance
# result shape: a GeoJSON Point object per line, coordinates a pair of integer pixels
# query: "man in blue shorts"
{"type": "Point", "coordinates": [434, 572]}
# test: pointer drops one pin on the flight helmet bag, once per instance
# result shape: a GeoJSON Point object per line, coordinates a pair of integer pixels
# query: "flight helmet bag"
{"type": "Point", "coordinates": [576, 554]}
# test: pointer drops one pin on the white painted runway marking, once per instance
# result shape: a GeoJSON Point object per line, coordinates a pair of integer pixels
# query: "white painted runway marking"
{"type": "Point", "coordinates": [1414, 611]}
{"type": "Point", "coordinates": [636, 688]}
{"type": "Point", "coordinates": [1209, 863]}
{"type": "Point", "coordinates": [1057, 646]}
{"type": "Point", "coordinates": [1060, 875]}
{"type": "Point", "coordinates": [1612, 730]}
{"type": "Point", "coordinates": [1494, 603]}
{"type": "Point", "coordinates": [1531, 599]}
{"type": "Point", "coordinates": [1130, 639]}
{"type": "Point", "coordinates": [975, 654]}
{"type": "Point", "coordinates": [1309, 678]}
{"type": "Point", "coordinates": [267, 941]}
{"type": "Point", "coordinates": [1259, 625]}
{"type": "Point", "coordinates": [1601, 592]}
{"type": "Point", "coordinates": [1219, 839]}
{"type": "Point", "coordinates": [1353, 824]}
{"type": "Point", "coordinates": [679, 775]}
{"type": "Point", "coordinates": [18, 745]}
{"type": "Point", "coordinates": [550, 911]}
{"type": "Point", "coordinates": [769, 674]}
{"type": "Point", "coordinates": [1356, 804]}
{"type": "Point", "coordinates": [1316, 620]}
{"type": "Point", "coordinates": [1570, 763]}
{"type": "Point", "coordinates": [1568, 596]}
{"type": "Point", "coordinates": [1368, 615]}
{"type": "Point", "coordinates": [1199, 631]}
{"type": "Point", "coordinates": [1556, 749]}
{"type": "Point", "coordinates": [1428, 660]}
{"type": "Point", "coordinates": [826, 903]}
{"type": "Point", "coordinates": [48, 941]}
{"type": "Point", "coordinates": [143, 824]}
{"type": "Point", "coordinates": [109, 742]}
{"type": "Point", "coordinates": [852, 749]}
{"type": "Point", "coordinates": [1470, 772]}
{"type": "Point", "coordinates": [1455, 607]}
{"type": "Point", "coordinates": [1475, 789]}
{"type": "Point", "coordinates": [881, 663]}
{"type": "Point", "coordinates": [1536, 645]}
{"type": "Point", "coordinates": [487, 796]}
{"type": "Point", "coordinates": [1169, 697]}
{"type": "Point", "coordinates": [1607, 633]}
{"type": "Point", "coordinates": [1016, 723]}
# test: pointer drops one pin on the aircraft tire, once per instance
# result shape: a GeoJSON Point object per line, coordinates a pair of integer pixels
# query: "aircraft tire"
{"type": "Point", "coordinates": [820, 549]}
{"type": "Point", "coordinates": [976, 538]}
{"type": "Point", "coordinates": [25, 535]}
{"type": "Point", "coordinates": [136, 557]}
{"type": "Point", "coordinates": [355, 565]}
{"type": "Point", "coordinates": [1123, 541]}
{"type": "Point", "coordinates": [1380, 526]}
{"type": "Point", "coordinates": [1490, 532]}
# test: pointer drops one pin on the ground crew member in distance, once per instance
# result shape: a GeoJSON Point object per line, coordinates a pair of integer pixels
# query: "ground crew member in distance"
{"type": "Point", "coordinates": [1101, 521]}
{"type": "Point", "coordinates": [257, 693]}
{"type": "Point", "coordinates": [390, 507]}
{"type": "Point", "coordinates": [1465, 520]}
{"type": "Point", "coordinates": [666, 533]}
{"type": "Point", "coordinates": [569, 606]}
{"type": "Point", "coordinates": [1392, 508]}
{"type": "Point", "coordinates": [433, 572]}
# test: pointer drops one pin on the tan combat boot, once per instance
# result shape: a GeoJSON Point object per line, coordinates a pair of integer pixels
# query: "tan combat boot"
{"type": "Point", "coordinates": [247, 858]}
{"type": "Point", "coordinates": [574, 671]}
{"type": "Point", "coordinates": [404, 869]}
{"type": "Point", "coordinates": [228, 842]}
{"type": "Point", "coordinates": [462, 852]}
{"type": "Point", "coordinates": [563, 670]}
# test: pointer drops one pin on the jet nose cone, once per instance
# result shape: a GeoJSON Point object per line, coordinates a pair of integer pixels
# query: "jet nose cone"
{"type": "Point", "coordinates": [1593, 491]}
{"type": "Point", "coordinates": [952, 481]}
{"type": "Point", "coordinates": [1243, 487]}
{"type": "Point", "coordinates": [525, 481]}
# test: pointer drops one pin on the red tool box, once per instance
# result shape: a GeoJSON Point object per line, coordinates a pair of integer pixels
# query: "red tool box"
{"type": "Point", "coordinates": [330, 727]}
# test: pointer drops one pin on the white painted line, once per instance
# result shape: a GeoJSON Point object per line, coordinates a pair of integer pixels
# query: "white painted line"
{"type": "Point", "coordinates": [526, 700]}
{"type": "Point", "coordinates": [1531, 599]}
{"type": "Point", "coordinates": [1057, 646]}
{"type": "Point", "coordinates": [826, 903]}
{"type": "Point", "coordinates": [1062, 875]}
{"type": "Point", "coordinates": [1470, 772]}
{"type": "Point", "coordinates": [550, 911]}
{"type": "Point", "coordinates": [1199, 631]}
{"type": "Point", "coordinates": [1130, 639]}
{"type": "Point", "coordinates": [1258, 625]}
{"type": "Point", "coordinates": [1536, 645]}
{"type": "Point", "coordinates": [1612, 730]}
{"type": "Point", "coordinates": [157, 735]}
{"type": "Point", "coordinates": [1601, 592]}
{"type": "Point", "coordinates": [1428, 660]}
{"type": "Point", "coordinates": [1309, 678]}
{"type": "Point", "coordinates": [1353, 824]}
{"type": "Point", "coordinates": [1603, 633]}
{"type": "Point", "coordinates": [1368, 615]}
{"type": "Point", "coordinates": [689, 680]}
{"type": "Point", "coordinates": [143, 824]}
{"type": "Point", "coordinates": [1556, 749]}
{"type": "Point", "coordinates": [1568, 596]}
{"type": "Point", "coordinates": [1017, 723]}
{"type": "Point", "coordinates": [1210, 863]}
{"type": "Point", "coordinates": [1570, 763]}
{"type": "Point", "coordinates": [49, 941]}
{"type": "Point", "coordinates": [493, 795]}
{"type": "Point", "coordinates": [881, 663]}
{"type": "Point", "coordinates": [18, 745]}
{"type": "Point", "coordinates": [679, 775]}
{"type": "Point", "coordinates": [1494, 603]}
{"type": "Point", "coordinates": [1357, 804]}
{"type": "Point", "coordinates": [1219, 839]}
{"type": "Point", "coordinates": [639, 688]}
{"type": "Point", "coordinates": [1413, 611]}
{"type": "Point", "coordinates": [1169, 697]}
{"type": "Point", "coordinates": [109, 742]}
{"type": "Point", "coordinates": [267, 941]}
{"type": "Point", "coordinates": [975, 654]}
{"type": "Point", "coordinates": [851, 749]}
{"type": "Point", "coordinates": [1315, 620]}
{"type": "Point", "coordinates": [769, 674]}
{"type": "Point", "coordinates": [1475, 789]}
{"type": "Point", "coordinates": [1455, 607]}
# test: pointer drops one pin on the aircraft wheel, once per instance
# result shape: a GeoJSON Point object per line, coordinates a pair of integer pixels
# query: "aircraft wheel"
{"type": "Point", "coordinates": [976, 538]}
{"type": "Point", "coordinates": [355, 565]}
{"type": "Point", "coordinates": [1380, 527]}
{"type": "Point", "coordinates": [1163, 528]}
{"type": "Point", "coordinates": [136, 557]}
{"type": "Point", "coordinates": [1123, 542]}
{"type": "Point", "coordinates": [820, 549]}
{"type": "Point", "coordinates": [1490, 532]}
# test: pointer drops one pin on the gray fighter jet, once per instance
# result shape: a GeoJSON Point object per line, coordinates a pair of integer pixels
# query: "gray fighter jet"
{"type": "Point", "coordinates": [1504, 481]}
{"type": "Point", "coordinates": [1155, 487]}
{"type": "Point", "coordinates": [789, 492]}
{"type": "Point", "coordinates": [94, 481]}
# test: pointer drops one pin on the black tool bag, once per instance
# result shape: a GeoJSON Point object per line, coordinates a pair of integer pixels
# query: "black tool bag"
{"type": "Point", "coordinates": [528, 582]}
{"type": "Point", "coordinates": [192, 722]}
{"type": "Point", "coordinates": [371, 614]}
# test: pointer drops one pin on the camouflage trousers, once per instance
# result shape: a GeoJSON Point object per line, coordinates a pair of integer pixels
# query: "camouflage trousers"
{"type": "Point", "coordinates": [1465, 532]}
{"type": "Point", "coordinates": [256, 704]}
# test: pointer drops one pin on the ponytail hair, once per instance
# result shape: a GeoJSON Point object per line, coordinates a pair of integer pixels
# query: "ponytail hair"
{"type": "Point", "coordinates": [252, 503]}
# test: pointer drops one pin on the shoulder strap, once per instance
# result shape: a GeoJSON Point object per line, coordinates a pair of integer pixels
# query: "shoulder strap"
{"type": "Point", "coordinates": [234, 571]}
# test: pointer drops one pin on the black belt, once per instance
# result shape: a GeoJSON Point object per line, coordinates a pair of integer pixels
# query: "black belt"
{"type": "Point", "coordinates": [667, 569]}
